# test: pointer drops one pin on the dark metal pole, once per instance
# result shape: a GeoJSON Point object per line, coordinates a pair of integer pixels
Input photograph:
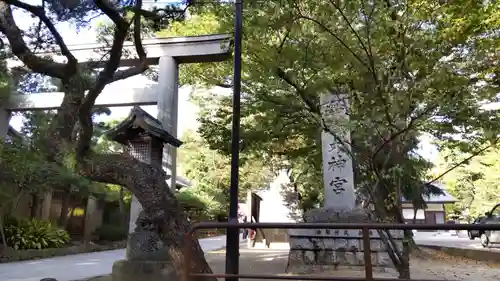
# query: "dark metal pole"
{"type": "Point", "coordinates": [233, 234]}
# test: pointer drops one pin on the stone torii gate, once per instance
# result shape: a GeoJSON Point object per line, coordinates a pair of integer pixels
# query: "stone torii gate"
{"type": "Point", "coordinates": [167, 53]}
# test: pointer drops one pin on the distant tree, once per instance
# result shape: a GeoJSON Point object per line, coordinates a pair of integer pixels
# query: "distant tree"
{"type": "Point", "coordinates": [209, 171]}
{"type": "Point", "coordinates": [475, 184]}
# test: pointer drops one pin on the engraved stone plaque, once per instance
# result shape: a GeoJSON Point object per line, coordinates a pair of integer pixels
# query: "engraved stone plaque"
{"type": "Point", "coordinates": [338, 176]}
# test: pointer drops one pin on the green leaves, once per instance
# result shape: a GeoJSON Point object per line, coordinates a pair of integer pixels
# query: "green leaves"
{"type": "Point", "coordinates": [474, 184]}
{"type": "Point", "coordinates": [5, 80]}
{"type": "Point", "coordinates": [209, 171]}
{"type": "Point", "coordinates": [23, 234]}
{"type": "Point", "coordinates": [410, 69]}
{"type": "Point", "coordinates": [24, 169]}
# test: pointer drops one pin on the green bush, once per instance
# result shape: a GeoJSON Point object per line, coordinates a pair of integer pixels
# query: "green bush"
{"type": "Point", "coordinates": [23, 234]}
{"type": "Point", "coordinates": [189, 200]}
{"type": "Point", "coordinates": [196, 206]}
{"type": "Point", "coordinates": [109, 232]}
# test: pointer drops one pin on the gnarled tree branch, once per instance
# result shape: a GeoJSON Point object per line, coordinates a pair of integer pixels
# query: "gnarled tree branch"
{"type": "Point", "coordinates": [40, 13]}
{"type": "Point", "coordinates": [139, 48]}
{"type": "Point", "coordinates": [19, 47]}
{"type": "Point", "coordinates": [148, 183]}
{"type": "Point", "coordinates": [110, 74]}
{"type": "Point", "coordinates": [308, 99]}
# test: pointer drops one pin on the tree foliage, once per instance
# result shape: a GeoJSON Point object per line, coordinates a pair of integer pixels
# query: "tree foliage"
{"type": "Point", "coordinates": [407, 68]}
{"type": "Point", "coordinates": [24, 169]}
{"type": "Point", "coordinates": [209, 171]}
{"type": "Point", "coordinates": [474, 184]}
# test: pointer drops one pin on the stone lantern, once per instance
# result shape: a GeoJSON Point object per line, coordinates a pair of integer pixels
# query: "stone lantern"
{"type": "Point", "coordinates": [143, 137]}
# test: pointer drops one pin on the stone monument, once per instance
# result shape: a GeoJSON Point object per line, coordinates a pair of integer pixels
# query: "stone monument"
{"type": "Point", "coordinates": [335, 247]}
{"type": "Point", "coordinates": [146, 258]}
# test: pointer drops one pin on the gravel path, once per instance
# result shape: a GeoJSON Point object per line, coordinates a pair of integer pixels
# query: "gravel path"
{"type": "Point", "coordinates": [446, 267]}
{"type": "Point", "coordinates": [428, 264]}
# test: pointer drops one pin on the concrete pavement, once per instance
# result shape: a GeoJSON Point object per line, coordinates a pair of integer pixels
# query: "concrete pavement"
{"type": "Point", "coordinates": [81, 266]}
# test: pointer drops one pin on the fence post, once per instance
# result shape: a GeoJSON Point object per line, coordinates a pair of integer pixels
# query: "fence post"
{"type": "Point", "coordinates": [367, 254]}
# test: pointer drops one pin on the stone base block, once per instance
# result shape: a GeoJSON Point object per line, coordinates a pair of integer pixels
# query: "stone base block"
{"type": "Point", "coordinates": [126, 270]}
{"type": "Point", "coordinates": [321, 269]}
{"type": "Point", "coordinates": [146, 245]}
{"type": "Point", "coordinates": [338, 247]}
{"type": "Point", "coordinates": [328, 257]}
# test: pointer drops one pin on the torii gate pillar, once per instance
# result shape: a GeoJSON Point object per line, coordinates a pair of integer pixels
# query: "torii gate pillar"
{"type": "Point", "coordinates": [168, 110]}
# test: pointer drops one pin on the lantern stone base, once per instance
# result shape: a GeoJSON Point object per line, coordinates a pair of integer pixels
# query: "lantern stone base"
{"type": "Point", "coordinates": [147, 257]}
{"type": "Point", "coordinates": [337, 248]}
{"type": "Point", "coordinates": [127, 270]}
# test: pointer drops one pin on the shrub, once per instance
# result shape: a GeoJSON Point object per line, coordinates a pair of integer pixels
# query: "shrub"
{"type": "Point", "coordinates": [23, 234]}
{"type": "Point", "coordinates": [109, 232]}
{"type": "Point", "coordinates": [190, 200]}
{"type": "Point", "coordinates": [193, 204]}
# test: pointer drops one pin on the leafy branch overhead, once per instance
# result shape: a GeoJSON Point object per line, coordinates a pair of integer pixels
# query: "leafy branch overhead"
{"type": "Point", "coordinates": [474, 184]}
{"type": "Point", "coordinates": [408, 69]}
{"type": "Point", "coordinates": [405, 71]}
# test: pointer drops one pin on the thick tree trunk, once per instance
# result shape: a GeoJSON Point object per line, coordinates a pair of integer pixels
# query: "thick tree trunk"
{"type": "Point", "coordinates": [404, 257]}
{"type": "Point", "coordinates": [399, 257]}
{"type": "Point", "coordinates": [404, 268]}
{"type": "Point", "coordinates": [35, 204]}
{"type": "Point", "coordinates": [63, 216]}
{"type": "Point", "coordinates": [148, 184]}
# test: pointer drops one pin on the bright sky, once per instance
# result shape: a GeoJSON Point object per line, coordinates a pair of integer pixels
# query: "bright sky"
{"type": "Point", "coordinates": [187, 111]}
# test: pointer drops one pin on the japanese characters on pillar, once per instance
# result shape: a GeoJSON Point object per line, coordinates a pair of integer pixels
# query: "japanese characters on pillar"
{"type": "Point", "coordinates": [338, 173]}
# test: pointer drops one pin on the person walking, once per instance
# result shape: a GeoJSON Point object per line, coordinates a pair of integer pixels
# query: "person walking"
{"type": "Point", "coordinates": [245, 230]}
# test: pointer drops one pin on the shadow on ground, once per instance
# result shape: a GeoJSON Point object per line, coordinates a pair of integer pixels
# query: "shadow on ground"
{"type": "Point", "coordinates": [266, 261]}
{"type": "Point", "coordinates": [425, 264]}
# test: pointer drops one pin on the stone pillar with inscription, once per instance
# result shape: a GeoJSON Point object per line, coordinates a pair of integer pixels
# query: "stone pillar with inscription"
{"type": "Point", "coordinates": [336, 247]}
{"type": "Point", "coordinates": [338, 175]}
{"type": "Point", "coordinates": [147, 258]}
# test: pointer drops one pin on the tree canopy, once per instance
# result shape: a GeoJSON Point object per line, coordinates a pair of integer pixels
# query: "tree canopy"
{"type": "Point", "coordinates": [209, 172]}
{"type": "Point", "coordinates": [405, 71]}
{"type": "Point", "coordinates": [406, 67]}
{"type": "Point", "coordinates": [474, 184]}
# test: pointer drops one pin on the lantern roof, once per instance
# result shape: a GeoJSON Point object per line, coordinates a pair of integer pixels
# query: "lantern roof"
{"type": "Point", "coordinates": [138, 123]}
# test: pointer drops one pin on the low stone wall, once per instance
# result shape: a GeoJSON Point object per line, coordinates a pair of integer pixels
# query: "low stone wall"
{"type": "Point", "coordinates": [11, 255]}
{"type": "Point", "coordinates": [338, 247]}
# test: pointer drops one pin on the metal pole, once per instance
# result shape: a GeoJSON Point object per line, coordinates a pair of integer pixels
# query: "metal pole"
{"type": "Point", "coordinates": [233, 234]}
